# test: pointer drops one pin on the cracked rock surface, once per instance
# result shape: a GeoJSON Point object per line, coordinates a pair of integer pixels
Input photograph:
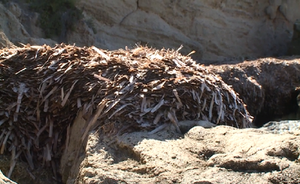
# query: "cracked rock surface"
{"type": "Point", "coordinates": [216, 30]}
{"type": "Point", "coordinates": [217, 155]}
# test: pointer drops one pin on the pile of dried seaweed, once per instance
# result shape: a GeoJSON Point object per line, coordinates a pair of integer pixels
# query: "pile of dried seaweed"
{"type": "Point", "coordinates": [42, 89]}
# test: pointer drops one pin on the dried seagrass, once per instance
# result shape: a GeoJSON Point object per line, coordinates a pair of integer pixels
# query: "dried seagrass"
{"type": "Point", "coordinates": [42, 89]}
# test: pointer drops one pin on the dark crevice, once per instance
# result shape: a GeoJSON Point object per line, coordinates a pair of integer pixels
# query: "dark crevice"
{"type": "Point", "coordinates": [250, 167]}
{"type": "Point", "coordinates": [291, 112]}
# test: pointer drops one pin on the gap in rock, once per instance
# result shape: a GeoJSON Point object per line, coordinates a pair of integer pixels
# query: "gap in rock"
{"type": "Point", "coordinates": [292, 112]}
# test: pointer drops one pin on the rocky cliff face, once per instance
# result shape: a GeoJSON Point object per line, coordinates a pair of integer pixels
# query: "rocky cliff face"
{"type": "Point", "coordinates": [216, 30]}
{"type": "Point", "coordinates": [17, 26]}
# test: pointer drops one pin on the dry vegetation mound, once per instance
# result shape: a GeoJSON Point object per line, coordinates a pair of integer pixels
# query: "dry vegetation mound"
{"type": "Point", "coordinates": [42, 89]}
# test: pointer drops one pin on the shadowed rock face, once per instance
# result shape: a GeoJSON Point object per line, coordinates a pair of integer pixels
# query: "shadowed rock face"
{"type": "Point", "coordinates": [19, 26]}
{"type": "Point", "coordinates": [294, 46]}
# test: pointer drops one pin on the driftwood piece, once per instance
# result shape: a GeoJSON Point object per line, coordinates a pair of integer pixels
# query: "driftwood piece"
{"type": "Point", "coordinates": [268, 86]}
{"type": "Point", "coordinates": [43, 88]}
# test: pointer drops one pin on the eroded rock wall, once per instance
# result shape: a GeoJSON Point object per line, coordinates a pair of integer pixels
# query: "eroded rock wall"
{"type": "Point", "coordinates": [216, 30]}
{"type": "Point", "coordinates": [19, 26]}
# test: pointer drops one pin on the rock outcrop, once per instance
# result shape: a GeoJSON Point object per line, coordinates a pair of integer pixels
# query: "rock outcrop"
{"type": "Point", "coordinates": [216, 30]}
{"type": "Point", "coordinates": [17, 26]}
{"type": "Point", "coordinates": [218, 155]}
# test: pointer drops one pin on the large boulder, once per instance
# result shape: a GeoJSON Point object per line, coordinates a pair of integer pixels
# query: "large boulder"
{"type": "Point", "coordinates": [218, 155]}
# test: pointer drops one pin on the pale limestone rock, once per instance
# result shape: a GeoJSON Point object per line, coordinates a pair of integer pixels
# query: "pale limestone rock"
{"type": "Point", "coordinates": [216, 30]}
{"type": "Point", "coordinates": [217, 155]}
